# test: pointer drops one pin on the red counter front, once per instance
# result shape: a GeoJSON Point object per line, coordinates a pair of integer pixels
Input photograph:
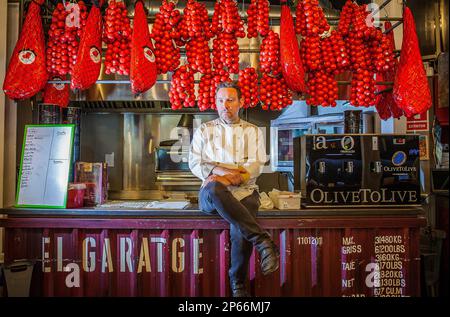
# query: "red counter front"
{"type": "Point", "coordinates": [108, 253]}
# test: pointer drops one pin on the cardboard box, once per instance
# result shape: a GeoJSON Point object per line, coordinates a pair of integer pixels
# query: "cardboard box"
{"type": "Point", "coordinates": [285, 200]}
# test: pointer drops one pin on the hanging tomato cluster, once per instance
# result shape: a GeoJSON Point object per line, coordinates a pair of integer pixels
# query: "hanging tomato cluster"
{"type": "Point", "coordinates": [274, 93]}
{"type": "Point", "coordinates": [360, 27]}
{"type": "Point", "coordinates": [269, 56]}
{"type": "Point", "coordinates": [252, 20]}
{"type": "Point", "coordinates": [382, 52]}
{"type": "Point", "coordinates": [117, 36]}
{"type": "Point", "coordinates": [195, 31]}
{"type": "Point", "coordinates": [205, 95]}
{"type": "Point", "coordinates": [346, 18]}
{"type": "Point", "coordinates": [216, 23]}
{"type": "Point", "coordinates": [195, 21]}
{"type": "Point", "coordinates": [322, 88]}
{"type": "Point", "coordinates": [226, 52]}
{"type": "Point", "coordinates": [63, 37]}
{"type": "Point", "coordinates": [228, 26]}
{"type": "Point", "coordinates": [319, 51]}
{"type": "Point", "coordinates": [258, 18]}
{"type": "Point", "coordinates": [163, 33]}
{"type": "Point", "coordinates": [231, 21]}
{"type": "Point", "coordinates": [386, 105]}
{"type": "Point", "coordinates": [311, 53]}
{"type": "Point", "coordinates": [340, 51]}
{"type": "Point", "coordinates": [182, 90]}
{"type": "Point", "coordinates": [310, 19]}
{"type": "Point", "coordinates": [369, 52]}
{"type": "Point", "coordinates": [248, 83]}
{"type": "Point", "coordinates": [363, 84]}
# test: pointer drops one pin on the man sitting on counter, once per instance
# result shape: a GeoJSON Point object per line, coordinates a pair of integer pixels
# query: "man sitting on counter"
{"type": "Point", "coordinates": [228, 154]}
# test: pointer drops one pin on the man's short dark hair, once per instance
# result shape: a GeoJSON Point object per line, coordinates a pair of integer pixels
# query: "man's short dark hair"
{"type": "Point", "coordinates": [229, 84]}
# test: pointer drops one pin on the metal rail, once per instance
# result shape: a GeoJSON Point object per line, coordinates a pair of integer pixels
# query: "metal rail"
{"type": "Point", "coordinates": [167, 81]}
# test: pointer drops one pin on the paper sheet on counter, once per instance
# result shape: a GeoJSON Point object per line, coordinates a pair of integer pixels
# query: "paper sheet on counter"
{"type": "Point", "coordinates": [168, 204]}
{"type": "Point", "coordinates": [120, 204]}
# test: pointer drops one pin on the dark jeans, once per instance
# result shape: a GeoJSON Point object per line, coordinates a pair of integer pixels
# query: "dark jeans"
{"type": "Point", "coordinates": [241, 215]}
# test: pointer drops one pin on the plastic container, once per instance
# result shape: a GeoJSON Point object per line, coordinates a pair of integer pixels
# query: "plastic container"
{"type": "Point", "coordinates": [75, 195]}
{"type": "Point", "coordinates": [352, 121]}
{"type": "Point", "coordinates": [285, 200]}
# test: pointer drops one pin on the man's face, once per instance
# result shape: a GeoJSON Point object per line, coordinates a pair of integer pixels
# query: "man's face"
{"type": "Point", "coordinates": [228, 104]}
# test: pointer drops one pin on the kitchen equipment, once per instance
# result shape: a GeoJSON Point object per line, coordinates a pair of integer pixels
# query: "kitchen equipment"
{"type": "Point", "coordinates": [172, 159]}
{"type": "Point", "coordinates": [294, 122]}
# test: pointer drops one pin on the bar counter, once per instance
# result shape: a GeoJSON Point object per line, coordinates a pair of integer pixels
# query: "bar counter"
{"type": "Point", "coordinates": [134, 252]}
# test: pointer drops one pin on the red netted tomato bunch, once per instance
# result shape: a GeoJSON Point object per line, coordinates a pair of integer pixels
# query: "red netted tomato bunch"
{"type": "Point", "coordinates": [310, 19]}
{"type": "Point", "coordinates": [231, 21]}
{"type": "Point", "coordinates": [328, 61]}
{"type": "Point", "coordinates": [346, 18]}
{"type": "Point", "coordinates": [217, 52]}
{"type": "Point", "coordinates": [248, 83]}
{"type": "Point", "coordinates": [362, 88]}
{"type": "Point", "coordinates": [269, 56]}
{"type": "Point", "coordinates": [117, 24]}
{"type": "Point", "coordinates": [274, 93]}
{"type": "Point", "coordinates": [117, 36]}
{"type": "Point", "coordinates": [363, 84]}
{"type": "Point", "coordinates": [340, 51]}
{"type": "Point", "coordinates": [163, 32]}
{"type": "Point", "coordinates": [207, 89]}
{"type": "Point", "coordinates": [300, 19]}
{"type": "Point", "coordinates": [322, 89]}
{"type": "Point", "coordinates": [358, 36]}
{"type": "Point", "coordinates": [182, 90]}
{"type": "Point", "coordinates": [228, 26]}
{"type": "Point", "coordinates": [205, 94]}
{"type": "Point", "coordinates": [252, 18]}
{"type": "Point", "coordinates": [64, 33]}
{"type": "Point", "coordinates": [226, 52]}
{"type": "Point", "coordinates": [361, 29]}
{"type": "Point", "coordinates": [195, 30]}
{"type": "Point", "coordinates": [262, 21]}
{"type": "Point", "coordinates": [195, 21]}
{"type": "Point", "coordinates": [383, 57]}
{"type": "Point", "coordinates": [322, 85]}
{"type": "Point", "coordinates": [311, 55]}
{"type": "Point", "coordinates": [216, 23]}
{"type": "Point", "coordinates": [359, 54]}
{"type": "Point", "coordinates": [197, 52]}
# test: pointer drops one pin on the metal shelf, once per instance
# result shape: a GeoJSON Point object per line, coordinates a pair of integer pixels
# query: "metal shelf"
{"type": "Point", "coordinates": [166, 81]}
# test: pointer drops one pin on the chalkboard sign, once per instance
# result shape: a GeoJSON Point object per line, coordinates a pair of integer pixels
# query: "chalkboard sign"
{"type": "Point", "coordinates": [45, 165]}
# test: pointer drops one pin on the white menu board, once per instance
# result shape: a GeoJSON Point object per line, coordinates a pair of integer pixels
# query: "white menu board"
{"type": "Point", "coordinates": [45, 166]}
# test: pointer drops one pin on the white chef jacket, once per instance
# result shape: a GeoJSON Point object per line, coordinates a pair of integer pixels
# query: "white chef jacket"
{"type": "Point", "coordinates": [217, 143]}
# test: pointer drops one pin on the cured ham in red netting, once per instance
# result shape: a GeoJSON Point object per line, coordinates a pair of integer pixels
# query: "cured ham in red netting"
{"type": "Point", "coordinates": [411, 90]}
{"type": "Point", "coordinates": [386, 105]}
{"type": "Point", "coordinates": [291, 62]}
{"type": "Point", "coordinates": [143, 70]}
{"type": "Point", "coordinates": [27, 74]}
{"type": "Point", "coordinates": [56, 94]}
{"type": "Point", "coordinates": [89, 58]}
